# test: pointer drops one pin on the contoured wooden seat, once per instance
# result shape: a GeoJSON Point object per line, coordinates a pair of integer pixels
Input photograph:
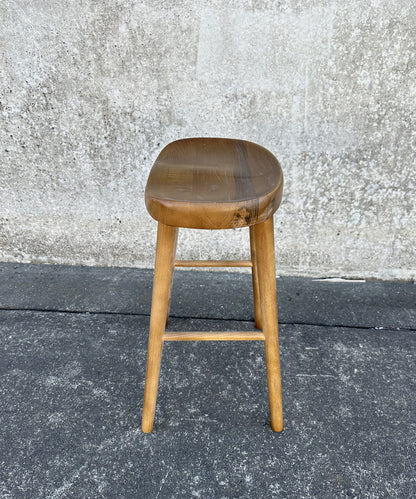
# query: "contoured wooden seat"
{"type": "Point", "coordinates": [208, 183]}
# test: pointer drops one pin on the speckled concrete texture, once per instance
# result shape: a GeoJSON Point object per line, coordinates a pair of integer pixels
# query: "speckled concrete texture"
{"type": "Point", "coordinates": [206, 295]}
{"type": "Point", "coordinates": [91, 91]}
{"type": "Point", "coordinates": [71, 386]}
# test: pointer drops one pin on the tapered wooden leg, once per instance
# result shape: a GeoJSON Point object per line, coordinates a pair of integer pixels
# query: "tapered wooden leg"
{"type": "Point", "coordinates": [165, 257]}
{"type": "Point", "coordinates": [264, 240]}
{"type": "Point", "coordinates": [254, 275]}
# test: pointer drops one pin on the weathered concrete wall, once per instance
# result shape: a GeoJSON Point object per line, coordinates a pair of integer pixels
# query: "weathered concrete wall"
{"type": "Point", "coordinates": [91, 90]}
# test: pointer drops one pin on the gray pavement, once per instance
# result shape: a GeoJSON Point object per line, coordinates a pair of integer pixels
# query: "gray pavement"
{"type": "Point", "coordinates": [72, 361]}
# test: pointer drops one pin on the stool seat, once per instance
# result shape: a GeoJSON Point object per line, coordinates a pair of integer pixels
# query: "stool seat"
{"type": "Point", "coordinates": [213, 183]}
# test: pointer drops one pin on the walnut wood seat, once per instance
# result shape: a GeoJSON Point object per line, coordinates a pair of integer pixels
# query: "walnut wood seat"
{"type": "Point", "coordinates": [213, 183]}
{"type": "Point", "coordinates": [207, 183]}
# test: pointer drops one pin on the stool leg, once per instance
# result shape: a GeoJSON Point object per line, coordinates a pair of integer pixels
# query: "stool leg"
{"type": "Point", "coordinates": [170, 290]}
{"type": "Point", "coordinates": [165, 256]}
{"type": "Point", "coordinates": [264, 240]}
{"type": "Point", "coordinates": [254, 275]}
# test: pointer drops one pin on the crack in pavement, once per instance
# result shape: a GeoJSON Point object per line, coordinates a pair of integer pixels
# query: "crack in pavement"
{"type": "Point", "coordinates": [223, 319]}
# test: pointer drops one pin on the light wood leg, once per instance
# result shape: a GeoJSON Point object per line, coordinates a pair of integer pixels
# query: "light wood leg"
{"type": "Point", "coordinates": [170, 289]}
{"type": "Point", "coordinates": [264, 240]}
{"type": "Point", "coordinates": [254, 275]}
{"type": "Point", "coordinates": [162, 281]}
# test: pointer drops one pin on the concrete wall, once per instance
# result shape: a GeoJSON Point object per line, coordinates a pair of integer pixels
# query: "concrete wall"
{"type": "Point", "coordinates": [91, 90]}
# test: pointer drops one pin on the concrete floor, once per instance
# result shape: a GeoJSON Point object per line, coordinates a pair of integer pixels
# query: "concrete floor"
{"type": "Point", "coordinates": [72, 363]}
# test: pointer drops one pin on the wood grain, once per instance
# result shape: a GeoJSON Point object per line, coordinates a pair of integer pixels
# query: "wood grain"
{"type": "Point", "coordinates": [212, 183]}
{"type": "Point", "coordinates": [213, 263]}
{"type": "Point", "coordinates": [213, 336]}
{"type": "Point", "coordinates": [264, 240]}
{"type": "Point", "coordinates": [255, 280]}
{"type": "Point", "coordinates": [162, 283]}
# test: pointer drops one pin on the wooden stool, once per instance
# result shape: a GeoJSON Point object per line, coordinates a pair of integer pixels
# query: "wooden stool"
{"type": "Point", "coordinates": [209, 183]}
